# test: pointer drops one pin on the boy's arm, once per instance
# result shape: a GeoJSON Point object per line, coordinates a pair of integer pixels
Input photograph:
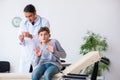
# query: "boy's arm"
{"type": "Point", "coordinates": [37, 54]}
{"type": "Point", "coordinates": [59, 51]}
{"type": "Point", "coordinates": [35, 62]}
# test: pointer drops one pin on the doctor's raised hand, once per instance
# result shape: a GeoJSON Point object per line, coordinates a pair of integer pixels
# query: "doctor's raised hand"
{"type": "Point", "coordinates": [27, 34]}
{"type": "Point", "coordinates": [21, 38]}
{"type": "Point", "coordinates": [23, 35]}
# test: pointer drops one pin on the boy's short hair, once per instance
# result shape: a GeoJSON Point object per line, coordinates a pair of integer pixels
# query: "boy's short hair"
{"type": "Point", "coordinates": [44, 29]}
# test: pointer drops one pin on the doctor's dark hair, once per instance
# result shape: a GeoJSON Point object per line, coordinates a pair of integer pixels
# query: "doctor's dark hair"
{"type": "Point", "coordinates": [44, 29]}
{"type": "Point", "coordinates": [30, 8]}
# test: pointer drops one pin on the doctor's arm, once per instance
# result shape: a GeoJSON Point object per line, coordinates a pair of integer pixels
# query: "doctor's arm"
{"type": "Point", "coordinates": [45, 22]}
{"type": "Point", "coordinates": [21, 40]}
{"type": "Point", "coordinates": [37, 52]}
{"type": "Point", "coordinates": [20, 34]}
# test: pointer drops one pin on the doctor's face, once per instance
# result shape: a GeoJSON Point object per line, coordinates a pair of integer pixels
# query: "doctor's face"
{"type": "Point", "coordinates": [44, 36]}
{"type": "Point", "coordinates": [30, 16]}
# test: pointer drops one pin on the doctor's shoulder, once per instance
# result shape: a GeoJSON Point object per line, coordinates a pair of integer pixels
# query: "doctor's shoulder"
{"type": "Point", "coordinates": [24, 23]}
{"type": "Point", "coordinates": [45, 19]}
{"type": "Point", "coordinates": [45, 22]}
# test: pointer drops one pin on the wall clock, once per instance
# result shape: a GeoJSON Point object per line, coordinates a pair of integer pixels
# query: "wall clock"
{"type": "Point", "coordinates": [16, 21]}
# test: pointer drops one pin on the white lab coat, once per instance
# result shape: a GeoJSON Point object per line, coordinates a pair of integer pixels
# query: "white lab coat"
{"type": "Point", "coordinates": [27, 53]}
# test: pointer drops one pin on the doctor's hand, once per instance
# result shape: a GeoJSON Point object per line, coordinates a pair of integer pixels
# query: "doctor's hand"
{"type": "Point", "coordinates": [50, 47]}
{"type": "Point", "coordinates": [21, 38]}
{"type": "Point", "coordinates": [38, 51]}
{"type": "Point", "coordinates": [27, 34]}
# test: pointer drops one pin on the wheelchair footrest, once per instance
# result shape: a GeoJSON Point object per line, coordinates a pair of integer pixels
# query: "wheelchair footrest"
{"type": "Point", "coordinates": [75, 77]}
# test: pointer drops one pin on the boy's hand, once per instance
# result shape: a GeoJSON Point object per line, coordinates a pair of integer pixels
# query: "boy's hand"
{"type": "Point", "coordinates": [38, 51]}
{"type": "Point", "coordinates": [50, 47]}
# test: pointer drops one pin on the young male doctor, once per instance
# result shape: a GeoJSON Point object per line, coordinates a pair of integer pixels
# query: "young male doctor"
{"type": "Point", "coordinates": [28, 36]}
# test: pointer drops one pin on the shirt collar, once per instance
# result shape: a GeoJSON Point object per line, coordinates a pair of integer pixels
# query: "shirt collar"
{"type": "Point", "coordinates": [37, 20]}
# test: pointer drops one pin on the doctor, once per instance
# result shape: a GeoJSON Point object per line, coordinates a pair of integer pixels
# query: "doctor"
{"type": "Point", "coordinates": [28, 34]}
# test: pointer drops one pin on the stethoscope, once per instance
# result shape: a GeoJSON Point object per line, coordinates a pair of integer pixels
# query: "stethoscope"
{"type": "Point", "coordinates": [27, 25]}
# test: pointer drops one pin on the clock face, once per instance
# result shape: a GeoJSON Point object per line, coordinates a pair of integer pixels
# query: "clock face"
{"type": "Point", "coordinates": [16, 21]}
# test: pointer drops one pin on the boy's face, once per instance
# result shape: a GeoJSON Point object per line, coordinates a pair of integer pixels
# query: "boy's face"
{"type": "Point", "coordinates": [44, 36]}
{"type": "Point", "coordinates": [30, 16]}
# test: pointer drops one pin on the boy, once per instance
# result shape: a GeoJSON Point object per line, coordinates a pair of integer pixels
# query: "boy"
{"type": "Point", "coordinates": [48, 55]}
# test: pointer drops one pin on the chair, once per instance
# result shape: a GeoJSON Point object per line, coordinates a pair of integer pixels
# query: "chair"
{"type": "Point", "coordinates": [4, 66]}
{"type": "Point", "coordinates": [63, 61]}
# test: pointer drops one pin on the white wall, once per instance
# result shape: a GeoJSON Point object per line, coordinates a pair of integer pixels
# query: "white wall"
{"type": "Point", "coordinates": [69, 20]}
